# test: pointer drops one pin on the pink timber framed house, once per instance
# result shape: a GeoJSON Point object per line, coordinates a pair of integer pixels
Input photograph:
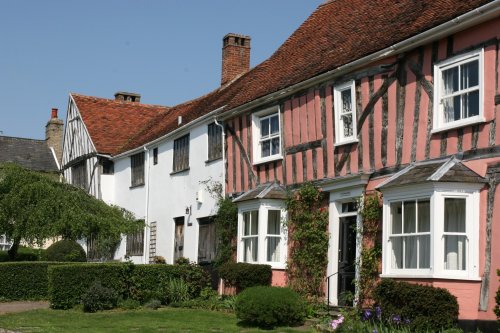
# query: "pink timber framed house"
{"type": "Point", "coordinates": [395, 97]}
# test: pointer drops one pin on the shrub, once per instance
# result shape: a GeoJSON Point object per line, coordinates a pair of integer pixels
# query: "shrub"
{"type": "Point", "coordinates": [66, 250]}
{"type": "Point", "coordinates": [176, 291]}
{"type": "Point", "coordinates": [243, 275]}
{"type": "Point", "coordinates": [129, 304]}
{"type": "Point", "coordinates": [24, 280]}
{"type": "Point", "coordinates": [270, 306]}
{"type": "Point", "coordinates": [427, 308]}
{"type": "Point", "coordinates": [24, 254]}
{"type": "Point", "coordinates": [99, 298]}
{"type": "Point", "coordinates": [142, 283]}
{"type": "Point", "coordinates": [153, 304]}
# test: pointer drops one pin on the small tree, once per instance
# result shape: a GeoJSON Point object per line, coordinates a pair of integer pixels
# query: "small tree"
{"type": "Point", "coordinates": [35, 207]}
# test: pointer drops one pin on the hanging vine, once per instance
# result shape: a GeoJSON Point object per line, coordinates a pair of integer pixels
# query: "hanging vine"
{"type": "Point", "coordinates": [368, 262]}
{"type": "Point", "coordinates": [308, 256]}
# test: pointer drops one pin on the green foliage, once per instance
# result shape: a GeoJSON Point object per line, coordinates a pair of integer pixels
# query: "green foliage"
{"type": "Point", "coordinates": [24, 254]}
{"type": "Point", "coordinates": [176, 291]}
{"type": "Point", "coordinates": [307, 224]}
{"type": "Point", "coordinates": [99, 298]}
{"type": "Point", "coordinates": [226, 223]}
{"type": "Point", "coordinates": [270, 306]}
{"type": "Point", "coordinates": [139, 282]}
{"type": "Point", "coordinates": [35, 207]}
{"type": "Point", "coordinates": [66, 251]}
{"type": "Point", "coordinates": [24, 280]}
{"type": "Point", "coordinates": [153, 304]}
{"type": "Point", "coordinates": [243, 275]}
{"type": "Point", "coordinates": [427, 308]}
{"type": "Point", "coordinates": [129, 304]}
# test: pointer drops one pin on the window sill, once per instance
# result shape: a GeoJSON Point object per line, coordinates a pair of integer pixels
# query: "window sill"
{"type": "Point", "coordinates": [347, 142]}
{"type": "Point", "coordinates": [268, 159]}
{"type": "Point", "coordinates": [136, 186]}
{"type": "Point", "coordinates": [429, 276]}
{"type": "Point", "coordinates": [180, 171]}
{"type": "Point", "coordinates": [209, 161]}
{"type": "Point", "coordinates": [274, 265]}
{"type": "Point", "coordinates": [458, 124]}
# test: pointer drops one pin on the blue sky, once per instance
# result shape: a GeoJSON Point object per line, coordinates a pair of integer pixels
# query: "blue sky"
{"type": "Point", "coordinates": [168, 51]}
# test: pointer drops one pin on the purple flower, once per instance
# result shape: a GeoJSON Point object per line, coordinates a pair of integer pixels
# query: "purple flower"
{"type": "Point", "coordinates": [367, 314]}
{"type": "Point", "coordinates": [378, 312]}
{"type": "Point", "coordinates": [396, 319]}
{"type": "Point", "coordinates": [407, 321]}
{"type": "Point", "coordinates": [375, 331]}
{"type": "Point", "coordinates": [335, 323]}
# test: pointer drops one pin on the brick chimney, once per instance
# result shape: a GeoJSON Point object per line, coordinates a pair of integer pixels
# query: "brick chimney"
{"type": "Point", "coordinates": [127, 97]}
{"type": "Point", "coordinates": [54, 134]}
{"type": "Point", "coordinates": [235, 56]}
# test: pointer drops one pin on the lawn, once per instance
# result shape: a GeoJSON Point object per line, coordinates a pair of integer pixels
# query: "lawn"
{"type": "Point", "coordinates": [161, 320]}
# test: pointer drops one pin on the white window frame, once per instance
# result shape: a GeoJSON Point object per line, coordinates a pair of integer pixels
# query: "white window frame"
{"type": "Point", "coordinates": [263, 207]}
{"type": "Point", "coordinates": [256, 135]}
{"type": "Point", "coordinates": [438, 117]}
{"type": "Point", "coordinates": [437, 193]}
{"type": "Point", "coordinates": [340, 139]}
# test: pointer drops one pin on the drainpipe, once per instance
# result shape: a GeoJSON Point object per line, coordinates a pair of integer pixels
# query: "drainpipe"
{"type": "Point", "coordinates": [223, 157]}
{"type": "Point", "coordinates": [146, 210]}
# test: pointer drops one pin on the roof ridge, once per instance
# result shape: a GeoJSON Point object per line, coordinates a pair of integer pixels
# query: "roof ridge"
{"type": "Point", "coordinates": [21, 138]}
{"type": "Point", "coordinates": [119, 102]}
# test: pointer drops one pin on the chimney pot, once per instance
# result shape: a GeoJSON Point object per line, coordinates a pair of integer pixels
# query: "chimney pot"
{"type": "Point", "coordinates": [54, 113]}
{"type": "Point", "coordinates": [235, 56]}
{"type": "Point", "coordinates": [127, 96]}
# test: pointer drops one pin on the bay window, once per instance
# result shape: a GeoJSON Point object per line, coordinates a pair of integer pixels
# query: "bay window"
{"type": "Point", "coordinates": [431, 230]}
{"type": "Point", "coordinates": [261, 235]}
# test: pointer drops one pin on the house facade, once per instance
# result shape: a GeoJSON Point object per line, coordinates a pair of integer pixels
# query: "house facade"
{"type": "Point", "coordinates": [394, 99]}
{"type": "Point", "coordinates": [405, 107]}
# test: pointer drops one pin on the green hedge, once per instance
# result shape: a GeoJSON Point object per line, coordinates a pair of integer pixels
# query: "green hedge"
{"type": "Point", "coordinates": [68, 283]}
{"type": "Point", "coordinates": [426, 308]}
{"type": "Point", "coordinates": [24, 280]}
{"type": "Point", "coordinates": [243, 275]}
{"type": "Point", "coordinates": [270, 306]}
{"type": "Point", "coordinates": [66, 250]}
{"type": "Point", "coordinates": [24, 254]}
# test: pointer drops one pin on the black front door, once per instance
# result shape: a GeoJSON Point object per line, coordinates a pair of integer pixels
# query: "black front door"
{"type": "Point", "coordinates": [347, 260]}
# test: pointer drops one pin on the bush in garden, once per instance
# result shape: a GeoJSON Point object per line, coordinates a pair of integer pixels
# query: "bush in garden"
{"type": "Point", "coordinates": [99, 298]}
{"type": "Point", "coordinates": [153, 304]}
{"type": "Point", "coordinates": [243, 275]}
{"type": "Point", "coordinates": [129, 304]}
{"type": "Point", "coordinates": [270, 306]}
{"type": "Point", "coordinates": [66, 250]}
{"type": "Point", "coordinates": [176, 291]}
{"type": "Point", "coordinates": [425, 308]}
{"type": "Point", "coordinates": [24, 254]}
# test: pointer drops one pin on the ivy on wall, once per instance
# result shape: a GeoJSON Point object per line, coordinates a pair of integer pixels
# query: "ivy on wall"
{"type": "Point", "coordinates": [308, 240]}
{"type": "Point", "coordinates": [371, 251]}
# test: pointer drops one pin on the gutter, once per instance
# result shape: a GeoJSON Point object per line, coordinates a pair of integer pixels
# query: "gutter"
{"type": "Point", "coordinates": [170, 134]}
{"type": "Point", "coordinates": [461, 22]}
{"type": "Point", "coordinates": [145, 251]}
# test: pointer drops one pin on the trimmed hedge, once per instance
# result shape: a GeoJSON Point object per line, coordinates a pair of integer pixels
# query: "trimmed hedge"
{"type": "Point", "coordinates": [24, 254]}
{"type": "Point", "coordinates": [270, 306]}
{"type": "Point", "coordinates": [24, 280]}
{"type": "Point", "coordinates": [68, 283]}
{"type": "Point", "coordinates": [243, 275]}
{"type": "Point", "coordinates": [66, 251]}
{"type": "Point", "coordinates": [427, 308]}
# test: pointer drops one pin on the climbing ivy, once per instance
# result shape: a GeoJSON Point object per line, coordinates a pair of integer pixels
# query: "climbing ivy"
{"type": "Point", "coordinates": [371, 252]}
{"type": "Point", "coordinates": [308, 238]}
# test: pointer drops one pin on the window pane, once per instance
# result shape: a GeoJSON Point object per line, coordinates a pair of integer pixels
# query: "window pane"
{"type": "Point", "coordinates": [250, 223]}
{"type": "Point", "coordinates": [275, 124]}
{"type": "Point", "coordinates": [346, 101]}
{"type": "Point", "coordinates": [250, 246]}
{"type": "Point", "coordinates": [275, 146]}
{"type": "Point", "coordinates": [255, 222]}
{"type": "Point", "coordinates": [396, 214]}
{"type": "Point", "coordinates": [266, 148]}
{"type": "Point", "coordinates": [409, 217]}
{"type": "Point", "coordinates": [273, 222]}
{"type": "Point", "coordinates": [452, 109]}
{"type": "Point", "coordinates": [349, 207]}
{"type": "Point", "coordinates": [424, 216]}
{"type": "Point", "coordinates": [471, 104]}
{"type": "Point", "coordinates": [397, 252]}
{"type": "Point", "coordinates": [470, 74]}
{"type": "Point", "coordinates": [424, 251]}
{"type": "Point", "coordinates": [454, 215]}
{"type": "Point", "coordinates": [450, 80]}
{"type": "Point", "coordinates": [410, 251]}
{"type": "Point", "coordinates": [264, 127]}
{"type": "Point", "coordinates": [347, 125]}
{"type": "Point", "coordinates": [273, 249]}
{"type": "Point", "coordinates": [455, 252]}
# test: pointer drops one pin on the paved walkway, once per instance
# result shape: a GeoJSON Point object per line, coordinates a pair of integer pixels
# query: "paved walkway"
{"type": "Point", "coordinates": [12, 307]}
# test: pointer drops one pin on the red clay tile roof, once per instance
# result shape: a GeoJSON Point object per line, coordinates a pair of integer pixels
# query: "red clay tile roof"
{"type": "Point", "coordinates": [112, 123]}
{"type": "Point", "coordinates": [337, 33]}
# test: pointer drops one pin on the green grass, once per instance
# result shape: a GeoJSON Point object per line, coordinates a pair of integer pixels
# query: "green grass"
{"type": "Point", "coordinates": [143, 321]}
